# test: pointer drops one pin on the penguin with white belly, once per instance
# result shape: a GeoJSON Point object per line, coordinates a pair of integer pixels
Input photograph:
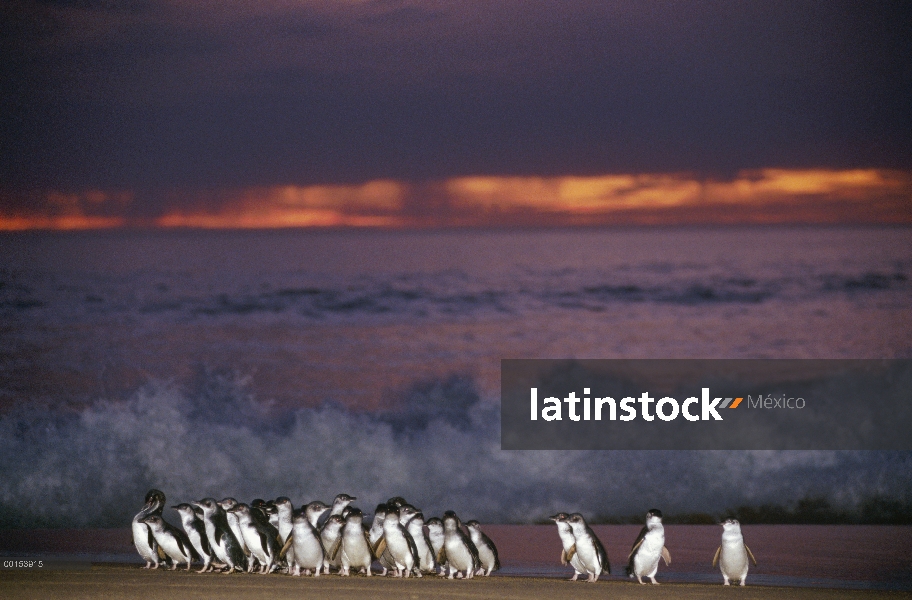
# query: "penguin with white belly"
{"type": "Point", "coordinates": [648, 548]}
{"type": "Point", "coordinates": [733, 555]}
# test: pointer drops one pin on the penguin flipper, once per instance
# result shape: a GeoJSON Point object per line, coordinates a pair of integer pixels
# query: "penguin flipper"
{"type": "Point", "coordinates": [751, 554]}
{"type": "Point", "coordinates": [602, 555]}
{"type": "Point", "coordinates": [264, 539]}
{"type": "Point", "coordinates": [369, 547]}
{"type": "Point", "coordinates": [493, 548]}
{"type": "Point", "coordinates": [564, 560]}
{"type": "Point", "coordinates": [666, 555]}
{"type": "Point", "coordinates": [161, 553]}
{"type": "Point", "coordinates": [380, 547]}
{"type": "Point", "coordinates": [441, 555]}
{"type": "Point", "coordinates": [204, 542]}
{"type": "Point", "coordinates": [413, 548]}
{"type": "Point", "coordinates": [718, 552]}
{"type": "Point", "coordinates": [150, 539]}
{"type": "Point", "coordinates": [634, 549]}
{"type": "Point", "coordinates": [287, 545]}
{"type": "Point", "coordinates": [333, 550]}
{"type": "Point", "coordinates": [186, 550]}
{"type": "Point", "coordinates": [473, 550]}
{"type": "Point", "coordinates": [571, 553]}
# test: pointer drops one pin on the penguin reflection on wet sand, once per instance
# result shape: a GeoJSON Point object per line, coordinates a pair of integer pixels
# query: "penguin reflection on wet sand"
{"type": "Point", "coordinates": [648, 548]}
{"type": "Point", "coordinates": [732, 556]}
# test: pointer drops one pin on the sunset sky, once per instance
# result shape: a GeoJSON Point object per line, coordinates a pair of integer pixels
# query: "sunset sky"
{"type": "Point", "coordinates": [427, 113]}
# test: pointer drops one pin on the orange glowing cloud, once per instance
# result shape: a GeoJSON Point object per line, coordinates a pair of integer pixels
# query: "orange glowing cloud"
{"type": "Point", "coordinates": [759, 196]}
{"type": "Point", "coordinates": [92, 209]}
{"type": "Point", "coordinates": [373, 204]}
{"type": "Point", "coordinates": [611, 193]}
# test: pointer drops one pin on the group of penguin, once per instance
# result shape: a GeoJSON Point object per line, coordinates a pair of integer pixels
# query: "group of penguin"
{"type": "Point", "coordinates": [584, 551]}
{"type": "Point", "coordinates": [273, 536]}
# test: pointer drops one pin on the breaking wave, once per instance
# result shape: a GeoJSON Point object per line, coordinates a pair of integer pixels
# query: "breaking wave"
{"type": "Point", "coordinates": [439, 446]}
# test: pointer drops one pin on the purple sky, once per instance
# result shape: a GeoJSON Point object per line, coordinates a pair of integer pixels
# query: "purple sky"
{"type": "Point", "coordinates": [170, 99]}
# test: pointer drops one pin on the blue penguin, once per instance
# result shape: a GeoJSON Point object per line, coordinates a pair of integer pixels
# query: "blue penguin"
{"type": "Point", "coordinates": [314, 510]}
{"type": "Point", "coordinates": [648, 548]}
{"type": "Point", "coordinates": [196, 533]}
{"type": "Point", "coordinates": [305, 541]}
{"type": "Point", "coordinates": [142, 535]}
{"type": "Point", "coordinates": [588, 548]}
{"type": "Point", "coordinates": [487, 551]}
{"type": "Point", "coordinates": [375, 536]}
{"type": "Point", "coordinates": [568, 541]}
{"type": "Point", "coordinates": [285, 524]}
{"type": "Point", "coordinates": [399, 543]}
{"type": "Point", "coordinates": [227, 504]}
{"type": "Point", "coordinates": [221, 539]}
{"type": "Point", "coordinates": [458, 550]}
{"type": "Point", "coordinates": [356, 549]}
{"type": "Point", "coordinates": [415, 527]}
{"type": "Point", "coordinates": [172, 540]}
{"type": "Point", "coordinates": [732, 556]}
{"type": "Point", "coordinates": [259, 539]}
{"type": "Point", "coordinates": [331, 538]}
{"type": "Point", "coordinates": [340, 502]}
{"type": "Point", "coordinates": [436, 537]}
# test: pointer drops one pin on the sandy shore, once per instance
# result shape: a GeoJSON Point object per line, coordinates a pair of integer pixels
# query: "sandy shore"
{"type": "Point", "coordinates": [116, 582]}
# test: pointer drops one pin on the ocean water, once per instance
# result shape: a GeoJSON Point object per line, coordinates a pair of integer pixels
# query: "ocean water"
{"type": "Point", "coordinates": [300, 363]}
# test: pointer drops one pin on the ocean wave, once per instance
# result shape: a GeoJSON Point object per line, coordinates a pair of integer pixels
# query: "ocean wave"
{"type": "Point", "coordinates": [438, 444]}
{"type": "Point", "coordinates": [433, 296]}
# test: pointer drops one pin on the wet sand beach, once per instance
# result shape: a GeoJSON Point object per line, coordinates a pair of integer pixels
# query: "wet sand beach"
{"type": "Point", "coordinates": [801, 561]}
{"type": "Point", "coordinates": [122, 582]}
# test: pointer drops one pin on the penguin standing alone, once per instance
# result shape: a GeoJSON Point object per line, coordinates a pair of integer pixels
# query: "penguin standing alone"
{"type": "Point", "coordinates": [648, 548]}
{"type": "Point", "coordinates": [732, 556]}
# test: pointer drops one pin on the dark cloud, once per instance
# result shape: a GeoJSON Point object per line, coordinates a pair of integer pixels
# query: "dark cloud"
{"type": "Point", "coordinates": [153, 96]}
